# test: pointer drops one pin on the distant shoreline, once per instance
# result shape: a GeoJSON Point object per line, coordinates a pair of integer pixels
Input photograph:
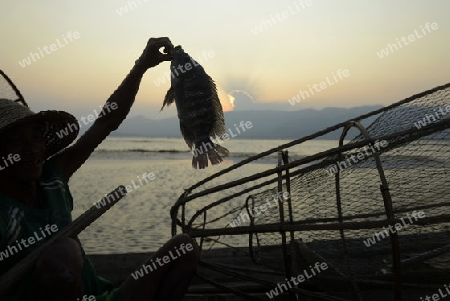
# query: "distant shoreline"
{"type": "Point", "coordinates": [113, 135]}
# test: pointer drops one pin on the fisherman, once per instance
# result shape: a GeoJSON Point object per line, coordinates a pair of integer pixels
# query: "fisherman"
{"type": "Point", "coordinates": [34, 196]}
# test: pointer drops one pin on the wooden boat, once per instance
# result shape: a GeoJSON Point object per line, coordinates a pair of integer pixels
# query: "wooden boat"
{"type": "Point", "coordinates": [331, 212]}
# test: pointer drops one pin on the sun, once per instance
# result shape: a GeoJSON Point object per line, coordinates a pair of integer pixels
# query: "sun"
{"type": "Point", "coordinates": [226, 100]}
{"type": "Point", "coordinates": [242, 92]}
{"type": "Point", "coordinates": [232, 99]}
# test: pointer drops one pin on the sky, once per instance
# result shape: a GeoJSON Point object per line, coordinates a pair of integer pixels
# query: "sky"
{"type": "Point", "coordinates": [261, 54]}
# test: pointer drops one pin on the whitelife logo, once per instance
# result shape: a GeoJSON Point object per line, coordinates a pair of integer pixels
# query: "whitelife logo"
{"type": "Point", "coordinates": [107, 199]}
{"type": "Point", "coordinates": [34, 56]}
{"type": "Point", "coordinates": [131, 5]}
{"type": "Point", "coordinates": [341, 165]}
{"type": "Point", "coordinates": [70, 128]}
{"type": "Point", "coordinates": [146, 269]}
{"type": "Point", "coordinates": [280, 17]}
{"type": "Point", "coordinates": [302, 95]}
{"type": "Point", "coordinates": [438, 296]}
{"type": "Point", "coordinates": [9, 160]}
{"type": "Point", "coordinates": [205, 147]}
{"type": "Point", "coordinates": [318, 267]}
{"type": "Point", "coordinates": [397, 227]}
{"type": "Point", "coordinates": [11, 250]}
{"type": "Point", "coordinates": [391, 48]}
{"type": "Point", "coordinates": [430, 118]}
{"type": "Point", "coordinates": [258, 210]}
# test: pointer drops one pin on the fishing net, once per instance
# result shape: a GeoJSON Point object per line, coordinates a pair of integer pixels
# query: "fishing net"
{"type": "Point", "coordinates": [9, 91]}
{"type": "Point", "coordinates": [375, 209]}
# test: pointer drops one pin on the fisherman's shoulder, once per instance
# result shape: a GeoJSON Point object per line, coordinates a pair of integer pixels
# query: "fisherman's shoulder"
{"type": "Point", "coordinates": [51, 170]}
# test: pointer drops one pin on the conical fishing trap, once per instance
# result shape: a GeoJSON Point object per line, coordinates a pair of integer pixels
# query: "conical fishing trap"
{"type": "Point", "coordinates": [9, 91]}
{"type": "Point", "coordinates": [375, 209]}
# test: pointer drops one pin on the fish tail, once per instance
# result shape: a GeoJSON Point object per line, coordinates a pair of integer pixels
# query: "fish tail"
{"type": "Point", "coordinates": [214, 157]}
{"type": "Point", "coordinates": [200, 160]}
{"type": "Point", "coordinates": [222, 151]}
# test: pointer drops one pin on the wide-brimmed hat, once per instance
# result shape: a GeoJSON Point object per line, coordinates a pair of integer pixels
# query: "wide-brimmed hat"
{"type": "Point", "coordinates": [60, 128]}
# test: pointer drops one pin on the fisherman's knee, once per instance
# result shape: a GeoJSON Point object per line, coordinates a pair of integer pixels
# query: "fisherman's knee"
{"type": "Point", "coordinates": [188, 247]}
{"type": "Point", "coordinates": [64, 253]}
{"type": "Point", "coordinates": [58, 269]}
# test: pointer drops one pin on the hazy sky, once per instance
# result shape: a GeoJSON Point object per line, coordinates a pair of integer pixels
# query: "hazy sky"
{"type": "Point", "coordinates": [266, 50]}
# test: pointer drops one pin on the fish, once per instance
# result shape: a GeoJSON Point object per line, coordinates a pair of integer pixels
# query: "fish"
{"type": "Point", "coordinates": [199, 109]}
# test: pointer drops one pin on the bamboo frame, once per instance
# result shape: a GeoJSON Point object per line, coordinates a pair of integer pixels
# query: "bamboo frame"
{"type": "Point", "coordinates": [275, 178]}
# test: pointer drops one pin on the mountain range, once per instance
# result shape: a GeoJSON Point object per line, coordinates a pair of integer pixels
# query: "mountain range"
{"type": "Point", "coordinates": [264, 124]}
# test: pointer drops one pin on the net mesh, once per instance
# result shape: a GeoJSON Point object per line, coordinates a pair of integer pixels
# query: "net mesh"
{"type": "Point", "coordinates": [382, 193]}
{"type": "Point", "coordinates": [9, 91]}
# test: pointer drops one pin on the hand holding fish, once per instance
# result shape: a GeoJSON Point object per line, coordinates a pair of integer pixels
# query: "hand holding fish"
{"type": "Point", "coordinates": [152, 55]}
{"type": "Point", "coordinates": [198, 107]}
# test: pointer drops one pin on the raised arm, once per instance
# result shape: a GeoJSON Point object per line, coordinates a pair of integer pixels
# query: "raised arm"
{"type": "Point", "coordinates": [115, 109]}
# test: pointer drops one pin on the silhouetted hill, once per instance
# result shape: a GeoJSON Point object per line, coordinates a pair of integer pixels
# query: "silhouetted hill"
{"type": "Point", "coordinates": [266, 124]}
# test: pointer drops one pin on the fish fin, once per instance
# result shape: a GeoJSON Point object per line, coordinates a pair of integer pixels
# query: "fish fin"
{"type": "Point", "coordinates": [222, 151]}
{"type": "Point", "coordinates": [214, 157]}
{"type": "Point", "coordinates": [187, 135]}
{"type": "Point", "coordinates": [169, 98]}
{"type": "Point", "coordinates": [200, 159]}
